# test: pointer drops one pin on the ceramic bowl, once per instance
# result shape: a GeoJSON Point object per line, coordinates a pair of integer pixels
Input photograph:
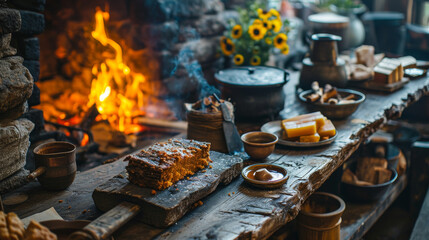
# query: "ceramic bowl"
{"type": "Point", "coordinates": [335, 111]}
{"type": "Point", "coordinates": [321, 210]}
{"type": "Point", "coordinates": [265, 184]}
{"type": "Point", "coordinates": [357, 193]}
{"type": "Point", "coordinates": [259, 145]}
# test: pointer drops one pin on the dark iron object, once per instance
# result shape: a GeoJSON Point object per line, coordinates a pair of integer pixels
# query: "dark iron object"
{"type": "Point", "coordinates": [256, 92]}
{"type": "Point", "coordinates": [232, 138]}
{"type": "Point", "coordinates": [323, 65]}
{"type": "Point", "coordinates": [56, 165]}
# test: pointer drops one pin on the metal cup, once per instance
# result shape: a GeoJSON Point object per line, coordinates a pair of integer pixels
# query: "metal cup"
{"type": "Point", "coordinates": [55, 165]}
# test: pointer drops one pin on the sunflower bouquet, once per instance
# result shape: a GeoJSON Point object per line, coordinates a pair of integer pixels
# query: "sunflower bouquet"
{"type": "Point", "coordinates": [250, 40]}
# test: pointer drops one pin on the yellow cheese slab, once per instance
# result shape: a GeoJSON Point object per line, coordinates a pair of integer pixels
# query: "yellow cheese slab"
{"type": "Point", "coordinates": [299, 129]}
{"type": "Point", "coordinates": [316, 116]}
{"type": "Point", "coordinates": [310, 138]}
{"type": "Point", "coordinates": [327, 130]}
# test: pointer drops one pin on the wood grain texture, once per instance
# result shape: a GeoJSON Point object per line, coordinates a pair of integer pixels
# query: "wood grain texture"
{"type": "Point", "coordinates": [166, 207]}
{"type": "Point", "coordinates": [238, 210]}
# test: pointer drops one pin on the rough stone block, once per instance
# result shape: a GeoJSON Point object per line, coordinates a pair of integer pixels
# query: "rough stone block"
{"type": "Point", "coordinates": [35, 5]}
{"type": "Point", "coordinates": [35, 97]}
{"type": "Point", "coordinates": [34, 67]}
{"type": "Point", "coordinates": [33, 23]}
{"type": "Point", "coordinates": [14, 181]}
{"type": "Point", "coordinates": [166, 10]}
{"type": "Point", "coordinates": [160, 36]}
{"type": "Point", "coordinates": [5, 48]}
{"type": "Point", "coordinates": [10, 20]}
{"type": "Point", "coordinates": [14, 113]}
{"type": "Point", "coordinates": [16, 83]}
{"type": "Point", "coordinates": [203, 50]}
{"type": "Point", "coordinates": [206, 26]}
{"type": "Point", "coordinates": [29, 48]}
{"type": "Point", "coordinates": [14, 137]}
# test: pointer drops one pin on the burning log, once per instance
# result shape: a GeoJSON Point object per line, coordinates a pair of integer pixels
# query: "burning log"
{"type": "Point", "coordinates": [179, 125]}
{"type": "Point", "coordinates": [89, 118]}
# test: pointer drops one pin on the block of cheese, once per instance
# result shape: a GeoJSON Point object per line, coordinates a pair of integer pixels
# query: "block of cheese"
{"type": "Point", "coordinates": [365, 55]}
{"type": "Point", "coordinates": [408, 62]}
{"type": "Point", "coordinates": [294, 129]}
{"type": "Point", "coordinates": [310, 138]}
{"type": "Point", "coordinates": [383, 76]}
{"type": "Point", "coordinates": [316, 116]}
{"type": "Point", "coordinates": [397, 63]}
{"type": "Point", "coordinates": [327, 130]}
{"type": "Point", "coordinates": [388, 71]}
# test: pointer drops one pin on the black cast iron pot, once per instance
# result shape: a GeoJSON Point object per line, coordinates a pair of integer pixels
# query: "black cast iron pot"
{"type": "Point", "coordinates": [257, 92]}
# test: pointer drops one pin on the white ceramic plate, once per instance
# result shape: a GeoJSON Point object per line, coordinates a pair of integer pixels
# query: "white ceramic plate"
{"type": "Point", "coordinates": [275, 128]}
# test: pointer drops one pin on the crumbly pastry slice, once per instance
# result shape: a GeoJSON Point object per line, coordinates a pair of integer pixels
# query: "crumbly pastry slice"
{"type": "Point", "coordinates": [4, 233]}
{"type": "Point", "coordinates": [165, 163]}
{"type": "Point", "coordinates": [15, 227]}
{"type": "Point", "coordinates": [35, 231]}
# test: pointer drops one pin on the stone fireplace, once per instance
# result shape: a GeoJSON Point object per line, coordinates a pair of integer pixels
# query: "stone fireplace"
{"type": "Point", "coordinates": [109, 65]}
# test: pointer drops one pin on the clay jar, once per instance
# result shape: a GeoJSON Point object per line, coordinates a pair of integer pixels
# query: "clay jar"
{"type": "Point", "coordinates": [320, 217]}
{"type": "Point", "coordinates": [323, 65]}
{"type": "Point", "coordinates": [55, 165]}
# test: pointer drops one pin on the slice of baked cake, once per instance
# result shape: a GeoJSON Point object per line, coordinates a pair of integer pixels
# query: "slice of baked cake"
{"type": "Point", "coordinates": [165, 163]}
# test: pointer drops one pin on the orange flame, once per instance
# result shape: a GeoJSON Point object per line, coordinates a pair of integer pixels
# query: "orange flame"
{"type": "Point", "coordinates": [115, 88]}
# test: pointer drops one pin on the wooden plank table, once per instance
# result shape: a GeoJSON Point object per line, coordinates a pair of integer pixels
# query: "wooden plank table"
{"type": "Point", "coordinates": [237, 210]}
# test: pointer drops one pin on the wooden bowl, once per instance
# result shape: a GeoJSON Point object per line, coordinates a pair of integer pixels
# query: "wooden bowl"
{"type": "Point", "coordinates": [265, 184]}
{"type": "Point", "coordinates": [335, 111]}
{"type": "Point", "coordinates": [259, 145]}
{"type": "Point", "coordinates": [321, 210]}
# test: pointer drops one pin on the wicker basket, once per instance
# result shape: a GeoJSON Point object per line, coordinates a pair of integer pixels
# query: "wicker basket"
{"type": "Point", "coordinates": [207, 127]}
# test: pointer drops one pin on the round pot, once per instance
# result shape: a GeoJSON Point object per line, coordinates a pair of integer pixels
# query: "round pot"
{"type": "Point", "coordinates": [256, 92]}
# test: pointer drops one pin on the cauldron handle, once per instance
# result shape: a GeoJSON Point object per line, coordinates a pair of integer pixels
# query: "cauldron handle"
{"type": "Point", "coordinates": [39, 171]}
{"type": "Point", "coordinates": [286, 77]}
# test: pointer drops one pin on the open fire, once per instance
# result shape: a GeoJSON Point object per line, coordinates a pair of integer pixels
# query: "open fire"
{"type": "Point", "coordinates": [111, 89]}
{"type": "Point", "coordinates": [115, 89]}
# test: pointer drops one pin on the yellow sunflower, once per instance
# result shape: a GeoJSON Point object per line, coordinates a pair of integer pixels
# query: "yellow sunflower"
{"type": "Point", "coordinates": [255, 60]}
{"type": "Point", "coordinates": [237, 31]}
{"type": "Point", "coordinates": [257, 32]}
{"type": "Point", "coordinates": [257, 22]}
{"type": "Point", "coordinates": [263, 14]}
{"type": "Point", "coordinates": [269, 41]}
{"type": "Point", "coordinates": [285, 49]}
{"type": "Point", "coordinates": [227, 46]}
{"type": "Point", "coordinates": [275, 13]}
{"type": "Point", "coordinates": [277, 25]}
{"type": "Point", "coordinates": [267, 24]}
{"type": "Point", "coordinates": [238, 59]}
{"type": "Point", "coordinates": [280, 40]}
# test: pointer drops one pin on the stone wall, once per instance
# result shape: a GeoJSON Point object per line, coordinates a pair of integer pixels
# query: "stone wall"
{"type": "Point", "coordinates": [16, 87]}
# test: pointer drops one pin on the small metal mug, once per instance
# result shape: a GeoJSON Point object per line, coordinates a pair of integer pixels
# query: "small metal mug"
{"type": "Point", "coordinates": [55, 165]}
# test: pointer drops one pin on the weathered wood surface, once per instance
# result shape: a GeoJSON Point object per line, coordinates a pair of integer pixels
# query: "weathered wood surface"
{"type": "Point", "coordinates": [247, 212]}
{"type": "Point", "coordinates": [167, 206]}
{"type": "Point", "coordinates": [358, 218]}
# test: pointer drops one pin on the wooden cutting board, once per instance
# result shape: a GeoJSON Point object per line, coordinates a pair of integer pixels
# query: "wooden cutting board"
{"type": "Point", "coordinates": [167, 206]}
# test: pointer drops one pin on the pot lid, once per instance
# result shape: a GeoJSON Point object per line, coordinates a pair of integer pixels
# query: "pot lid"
{"type": "Point", "coordinates": [257, 76]}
